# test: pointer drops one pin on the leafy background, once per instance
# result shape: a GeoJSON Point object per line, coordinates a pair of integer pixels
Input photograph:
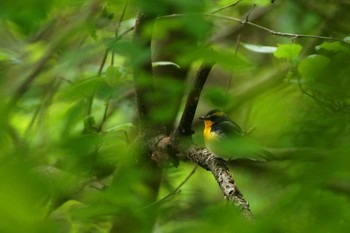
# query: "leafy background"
{"type": "Point", "coordinates": [68, 115]}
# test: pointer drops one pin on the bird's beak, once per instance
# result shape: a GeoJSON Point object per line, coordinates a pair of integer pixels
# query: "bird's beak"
{"type": "Point", "coordinates": [201, 118]}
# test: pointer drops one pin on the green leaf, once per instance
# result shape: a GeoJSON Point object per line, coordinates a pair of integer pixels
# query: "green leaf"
{"type": "Point", "coordinates": [347, 40]}
{"type": "Point", "coordinates": [81, 88]}
{"type": "Point", "coordinates": [259, 48]}
{"type": "Point", "coordinates": [313, 66]}
{"type": "Point", "coordinates": [90, 125]}
{"type": "Point", "coordinates": [217, 96]}
{"type": "Point", "coordinates": [288, 51]}
{"type": "Point", "coordinates": [165, 63]}
{"type": "Point", "coordinates": [332, 46]}
{"type": "Point", "coordinates": [120, 127]}
{"type": "Point", "coordinates": [113, 76]}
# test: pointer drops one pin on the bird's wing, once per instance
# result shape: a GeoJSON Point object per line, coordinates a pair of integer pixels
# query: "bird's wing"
{"type": "Point", "coordinates": [230, 128]}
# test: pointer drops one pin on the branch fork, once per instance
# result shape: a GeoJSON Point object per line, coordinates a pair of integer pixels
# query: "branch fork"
{"type": "Point", "coordinates": [179, 144]}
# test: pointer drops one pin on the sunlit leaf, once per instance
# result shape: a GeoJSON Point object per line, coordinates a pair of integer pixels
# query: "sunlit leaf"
{"type": "Point", "coordinates": [333, 46]}
{"type": "Point", "coordinates": [288, 51]}
{"type": "Point", "coordinates": [165, 63]}
{"type": "Point", "coordinates": [259, 48]}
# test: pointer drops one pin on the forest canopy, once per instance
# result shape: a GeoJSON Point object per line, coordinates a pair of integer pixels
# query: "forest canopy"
{"type": "Point", "coordinates": [99, 107]}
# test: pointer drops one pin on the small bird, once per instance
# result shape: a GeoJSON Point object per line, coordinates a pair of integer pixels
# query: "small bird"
{"type": "Point", "coordinates": [226, 139]}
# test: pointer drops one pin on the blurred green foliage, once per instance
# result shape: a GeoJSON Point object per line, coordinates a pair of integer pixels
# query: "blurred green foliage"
{"type": "Point", "coordinates": [68, 115]}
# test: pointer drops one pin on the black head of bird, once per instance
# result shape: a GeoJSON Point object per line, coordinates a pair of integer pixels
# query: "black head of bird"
{"type": "Point", "coordinates": [225, 138]}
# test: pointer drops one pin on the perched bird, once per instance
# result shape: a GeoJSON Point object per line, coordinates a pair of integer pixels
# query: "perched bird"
{"type": "Point", "coordinates": [226, 139]}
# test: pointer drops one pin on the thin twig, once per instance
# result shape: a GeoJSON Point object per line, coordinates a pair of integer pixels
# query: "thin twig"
{"type": "Point", "coordinates": [38, 68]}
{"type": "Point", "coordinates": [122, 96]}
{"type": "Point", "coordinates": [66, 80]}
{"type": "Point", "coordinates": [40, 65]}
{"type": "Point", "coordinates": [312, 96]}
{"type": "Point", "coordinates": [112, 63]}
{"type": "Point", "coordinates": [249, 13]}
{"type": "Point", "coordinates": [112, 58]}
{"type": "Point", "coordinates": [125, 32]}
{"type": "Point", "coordinates": [99, 72]}
{"type": "Point", "coordinates": [121, 19]}
{"type": "Point", "coordinates": [225, 7]}
{"type": "Point", "coordinates": [117, 29]}
{"type": "Point", "coordinates": [103, 62]}
{"type": "Point", "coordinates": [120, 36]}
{"type": "Point", "coordinates": [33, 119]}
{"type": "Point", "coordinates": [275, 33]}
{"type": "Point", "coordinates": [238, 42]}
{"type": "Point", "coordinates": [104, 118]}
{"type": "Point", "coordinates": [175, 191]}
{"type": "Point", "coordinates": [234, 30]}
{"type": "Point", "coordinates": [229, 83]}
{"type": "Point", "coordinates": [49, 92]}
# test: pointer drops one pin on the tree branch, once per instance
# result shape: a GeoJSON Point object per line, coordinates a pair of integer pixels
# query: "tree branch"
{"type": "Point", "coordinates": [175, 191]}
{"type": "Point", "coordinates": [275, 33]}
{"type": "Point", "coordinates": [143, 85]}
{"type": "Point", "coordinates": [163, 145]}
{"type": "Point", "coordinates": [249, 13]}
{"type": "Point", "coordinates": [245, 22]}
{"type": "Point", "coordinates": [199, 155]}
{"type": "Point", "coordinates": [185, 124]}
{"type": "Point", "coordinates": [227, 33]}
{"type": "Point", "coordinates": [226, 7]}
{"type": "Point", "coordinates": [222, 175]}
{"type": "Point", "coordinates": [151, 179]}
{"type": "Point", "coordinates": [99, 72]}
{"type": "Point", "coordinates": [167, 48]}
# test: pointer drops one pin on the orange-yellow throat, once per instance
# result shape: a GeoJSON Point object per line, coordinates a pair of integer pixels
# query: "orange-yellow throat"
{"type": "Point", "coordinates": [207, 130]}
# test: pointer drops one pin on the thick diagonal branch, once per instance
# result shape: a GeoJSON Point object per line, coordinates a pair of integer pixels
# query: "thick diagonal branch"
{"type": "Point", "coordinates": [163, 145]}
{"type": "Point", "coordinates": [185, 124]}
{"type": "Point", "coordinates": [222, 175]}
